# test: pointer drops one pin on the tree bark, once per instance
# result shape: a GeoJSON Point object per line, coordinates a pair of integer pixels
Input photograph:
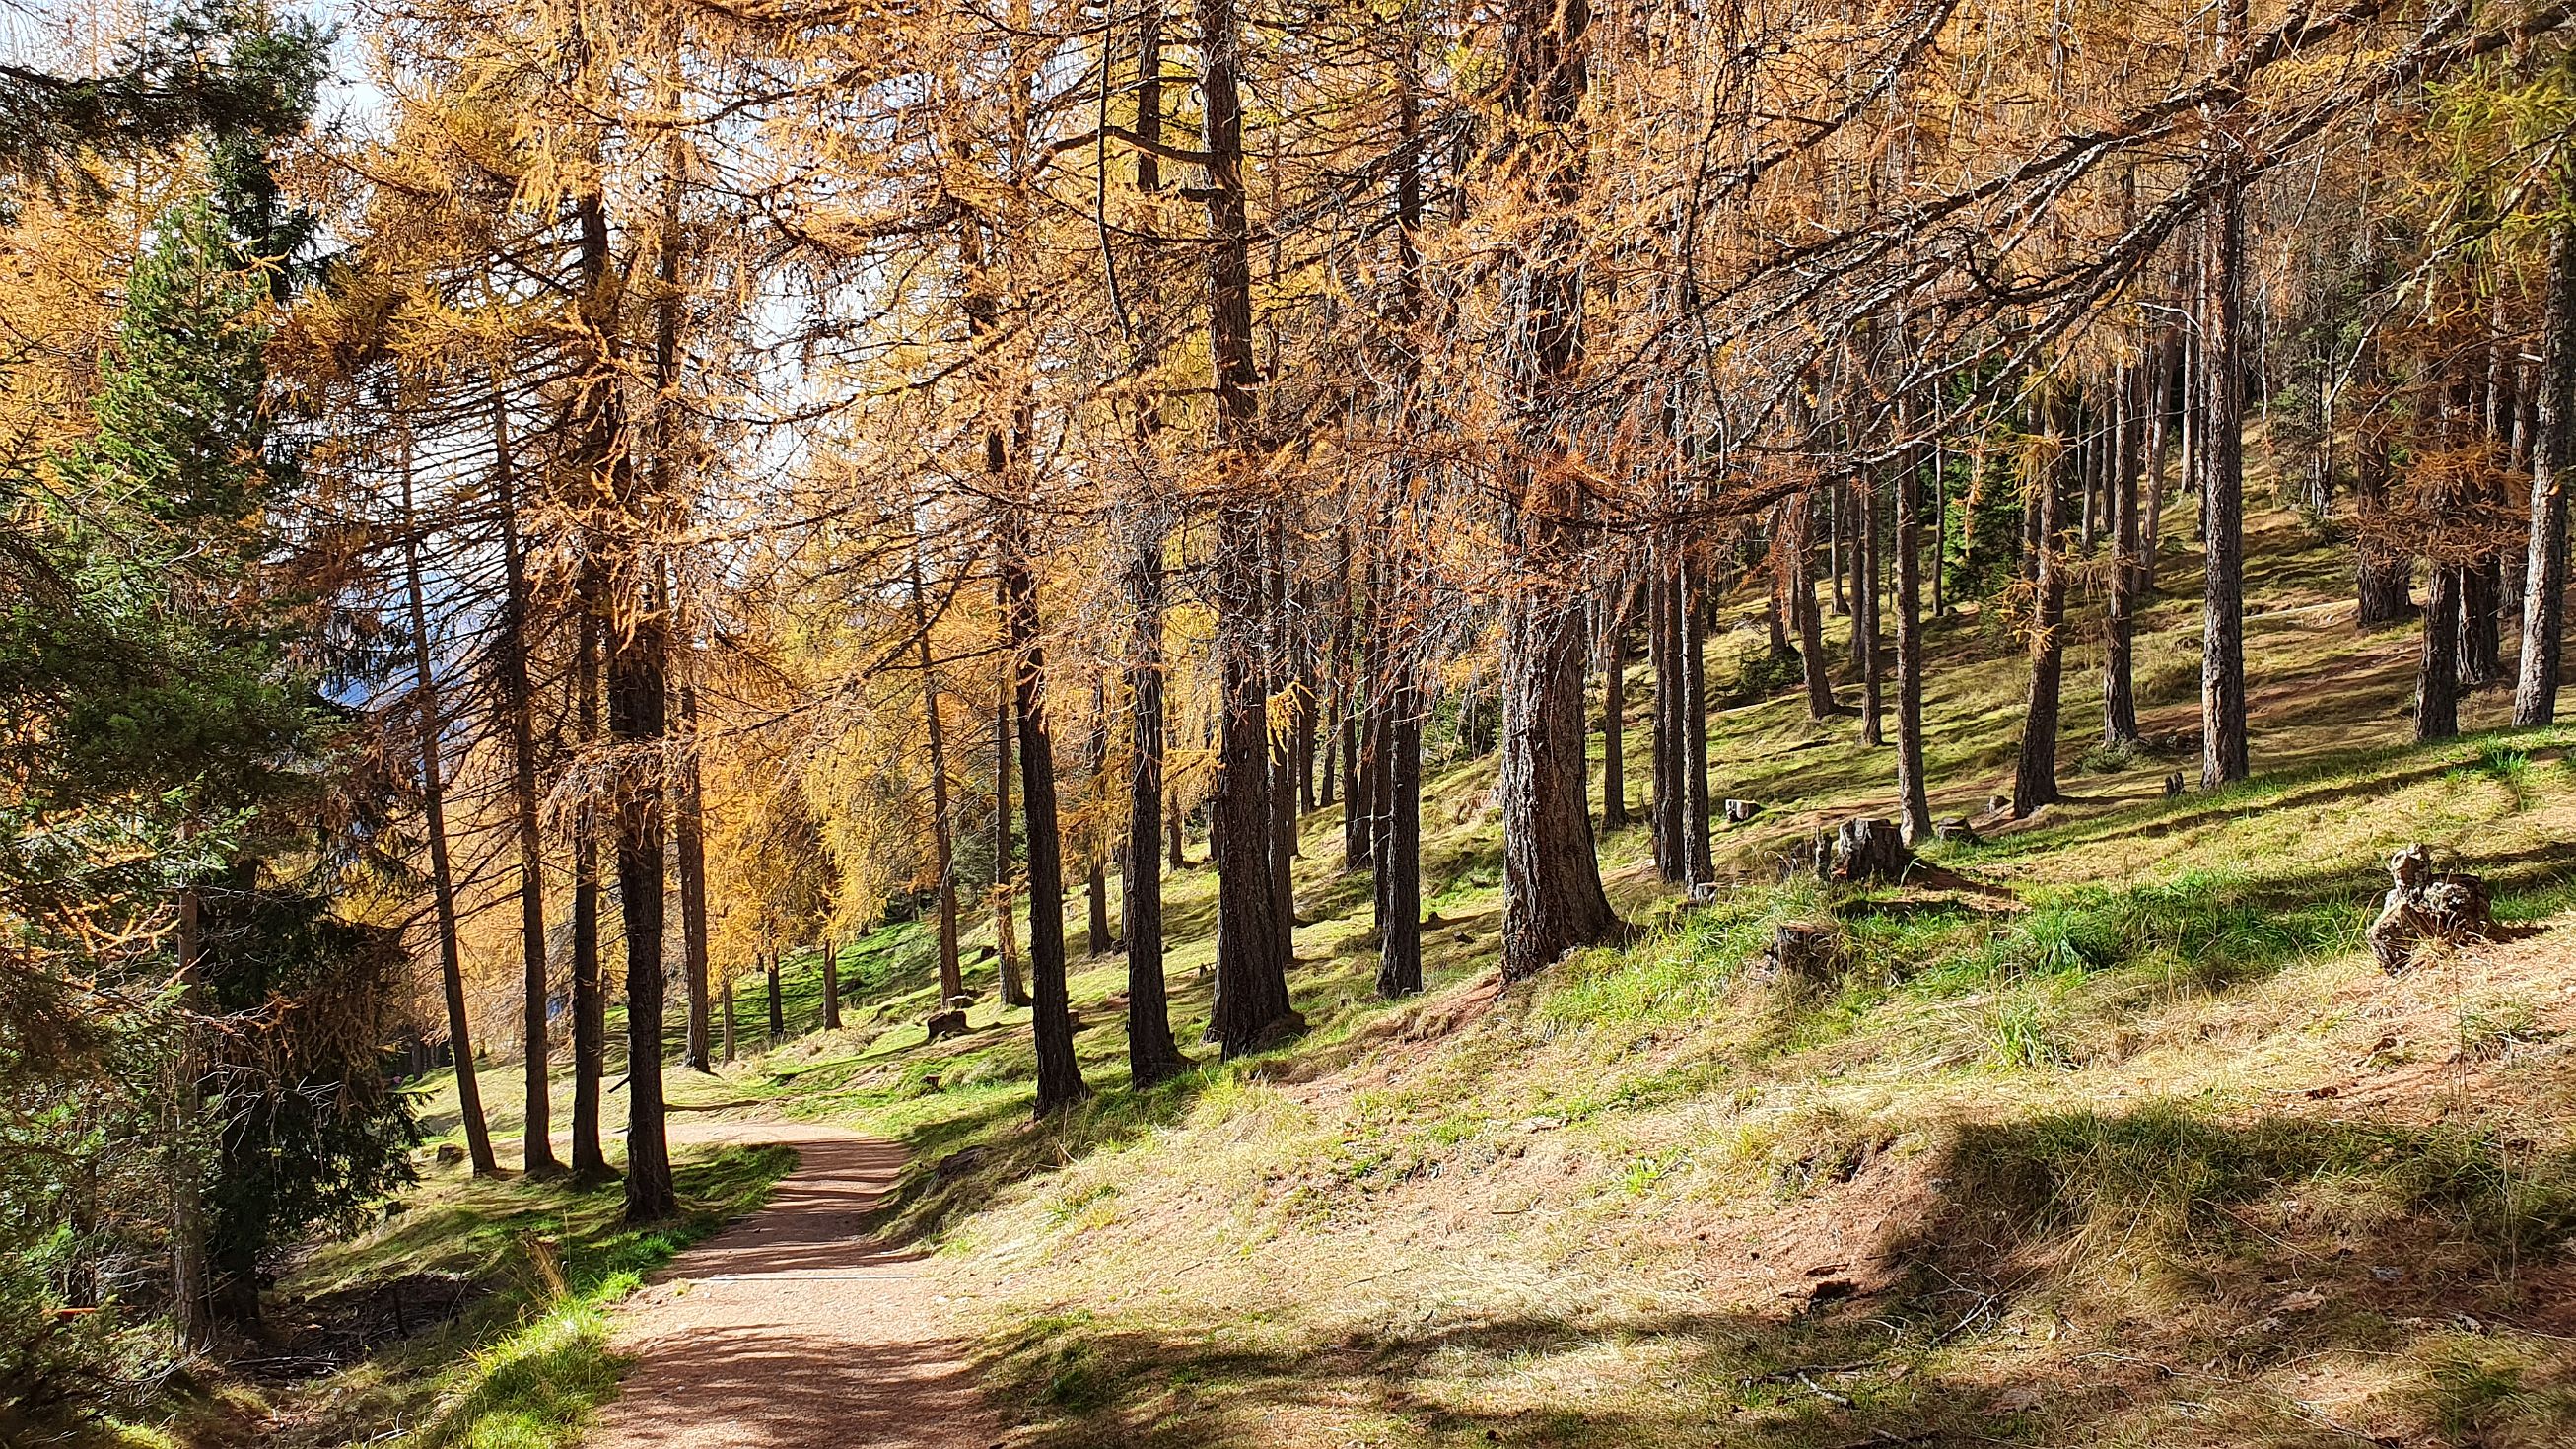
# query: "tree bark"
{"type": "Point", "coordinates": [689, 843]}
{"type": "Point", "coordinates": [1865, 631]}
{"type": "Point", "coordinates": [1913, 801]}
{"type": "Point", "coordinates": [637, 725]}
{"type": "Point", "coordinates": [1699, 865]}
{"type": "Point", "coordinates": [831, 966]}
{"type": "Point", "coordinates": [769, 964]}
{"type": "Point", "coordinates": [1552, 897]}
{"type": "Point", "coordinates": [2222, 665]}
{"type": "Point", "coordinates": [1614, 707]}
{"type": "Point", "coordinates": [1252, 1007]}
{"type": "Point", "coordinates": [943, 839]}
{"type": "Point", "coordinates": [1005, 937]}
{"type": "Point", "coordinates": [433, 796]}
{"type": "Point", "coordinates": [1060, 1083]}
{"type": "Point", "coordinates": [2437, 679]}
{"type": "Point", "coordinates": [518, 700]}
{"type": "Point", "coordinates": [2119, 652]}
{"type": "Point", "coordinates": [1151, 1054]}
{"type": "Point", "coordinates": [1664, 636]}
{"type": "Point", "coordinates": [2535, 698]}
{"type": "Point", "coordinates": [589, 986]}
{"type": "Point", "coordinates": [2035, 775]}
{"type": "Point", "coordinates": [1798, 565]}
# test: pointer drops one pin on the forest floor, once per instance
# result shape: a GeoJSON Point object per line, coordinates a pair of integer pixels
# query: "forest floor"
{"type": "Point", "coordinates": [2112, 1134]}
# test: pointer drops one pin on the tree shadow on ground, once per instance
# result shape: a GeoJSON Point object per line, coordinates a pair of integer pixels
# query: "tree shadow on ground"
{"type": "Point", "coordinates": [2187, 1257]}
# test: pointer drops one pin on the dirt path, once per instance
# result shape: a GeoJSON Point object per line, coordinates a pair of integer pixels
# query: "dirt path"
{"type": "Point", "coordinates": [793, 1328]}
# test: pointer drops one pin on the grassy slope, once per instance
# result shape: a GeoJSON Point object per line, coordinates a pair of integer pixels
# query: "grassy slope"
{"type": "Point", "coordinates": [520, 1366]}
{"type": "Point", "coordinates": [2127, 1143]}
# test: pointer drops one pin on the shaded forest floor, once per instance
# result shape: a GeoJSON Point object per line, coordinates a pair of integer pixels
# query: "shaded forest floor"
{"type": "Point", "coordinates": [2122, 1140]}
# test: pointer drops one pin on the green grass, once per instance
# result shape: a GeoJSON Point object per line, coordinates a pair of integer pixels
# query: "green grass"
{"type": "Point", "coordinates": [520, 1368]}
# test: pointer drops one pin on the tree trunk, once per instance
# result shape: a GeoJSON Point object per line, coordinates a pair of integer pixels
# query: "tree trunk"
{"type": "Point", "coordinates": [2119, 653]}
{"type": "Point", "coordinates": [1060, 1081]}
{"type": "Point", "coordinates": [433, 796]}
{"type": "Point", "coordinates": [589, 987]}
{"type": "Point", "coordinates": [1664, 634]}
{"type": "Point", "coordinates": [1006, 941]}
{"type": "Point", "coordinates": [1279, 679]}
{"type": "Point", "coordinates": [1096, 905]}
{"type": "Point", "coordinates": [689, 843]}
{"type": "Point", "coordinates": [1913, 801]}
{"type": "Point", "coordinates": [2035, 775]}
{"type": "Point", "coordinates": [1253, 928]}
{"type": "Point", "coordinates": [2535, 698]}
{"type": "Point", "coordinates": [769, 964]}
{"type": "Point", "coordinates": [1865, 577]}
{"type": "Point", "coordinates": [1798, 568]}
{"type": "Point", "coordinates": [831, 964]}
{"type": "Point", "coordinates": [1552, 897]}
{"type": "Point", "coordinates": [1834, 511]}
{"type": "Point", "coordinates": [2437, 680]}
{"type": "Point", "coordinates": [2161, 359]}
{"type": "Point", "coordinates": [1614, 708]}
{"type": "Point", "coordinates": [1151, 1054]}
{"type": "Point", "coordinates": [191, 1274]}
{"type": "Point", "coordinates": [2222, 663]}
{"type": "Point", "coordinates": [728, 1017]}
{"type": "Point", "coordinates": [1699, 866]}
{"type": "Point", "coordinates": [637, 725]}
{"type": "Point", "coordinates": [518, 699]}
{"type": "Point", "coordinates": [943, 839]}
{"type": "Point", "coordinates": [1399, 851]}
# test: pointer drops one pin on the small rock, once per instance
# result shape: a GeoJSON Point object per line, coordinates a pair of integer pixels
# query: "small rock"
{"type": "Point", "coordinates": [2388, 1275]}
{"type": "Point", "coordinates": [2305, 1300]}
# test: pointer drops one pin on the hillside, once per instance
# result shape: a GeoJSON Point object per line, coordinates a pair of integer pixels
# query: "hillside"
{"type": "Point", "coordinates": [2113, 1135]}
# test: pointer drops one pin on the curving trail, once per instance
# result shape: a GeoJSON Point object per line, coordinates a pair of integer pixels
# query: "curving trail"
{"type": "Point", "coordinates": [792, 1329]}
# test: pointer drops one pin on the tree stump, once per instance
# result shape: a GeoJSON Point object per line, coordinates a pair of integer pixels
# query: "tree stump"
{"type": "Point", "coordinates": [2173, 785]}
{"type": "Point", "coordinates": [2422, 905]}
{"type": "Point", "coordinates": [1870, 850]}
{"type": "Point", "coordinates": [1739, 811]}
{"type": "Point", "coordinates": [1802, 952]}
{"type": "Point", "coordinates": [943, 1025]}
{"type": "Point", "coordinates": [1955, 829]}
{"type": "Point", "coordinates": [1813, 855]}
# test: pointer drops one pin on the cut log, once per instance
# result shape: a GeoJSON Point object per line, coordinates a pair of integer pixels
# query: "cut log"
{"type": "Point", "coordinates": [2427, 907]}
